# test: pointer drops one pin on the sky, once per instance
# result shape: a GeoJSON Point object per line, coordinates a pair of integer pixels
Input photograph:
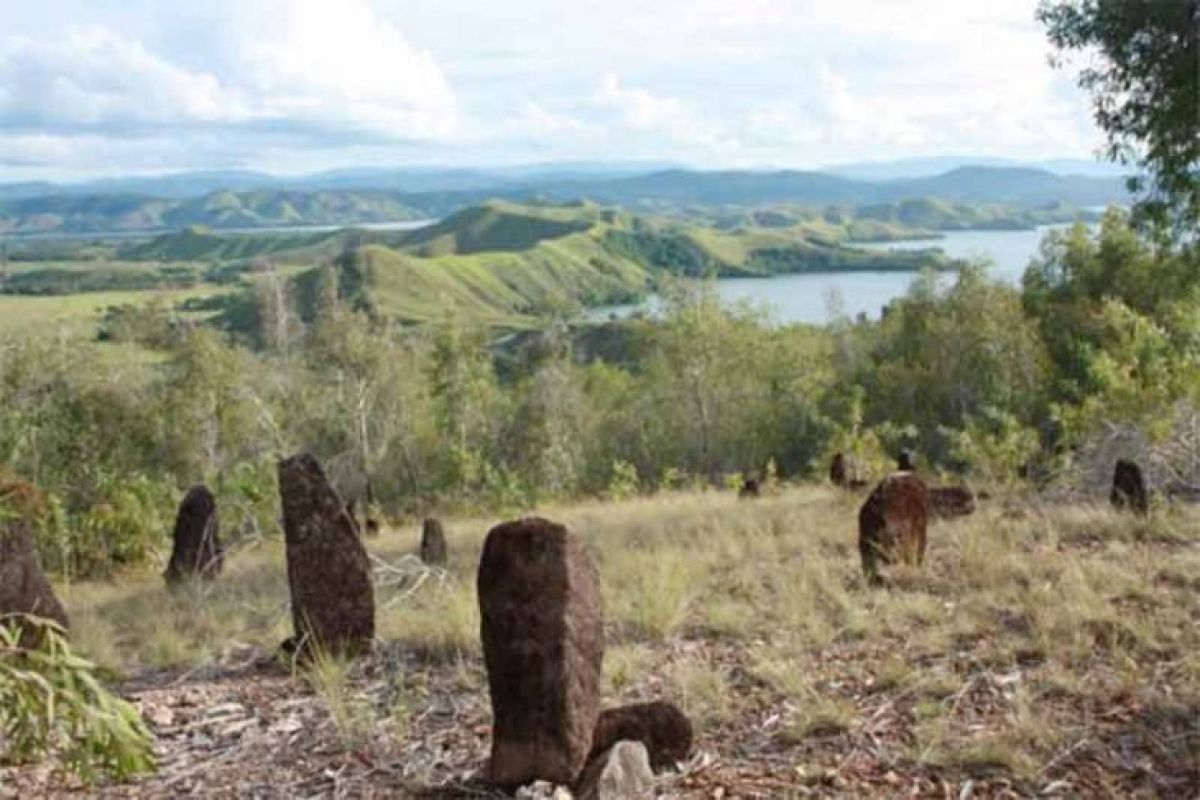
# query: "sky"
{"type": "Point", "coordinates": [109, 87]}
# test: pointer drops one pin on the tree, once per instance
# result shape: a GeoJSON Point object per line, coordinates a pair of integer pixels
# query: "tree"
{"type": "Point", "coordinates": [1145, 86]}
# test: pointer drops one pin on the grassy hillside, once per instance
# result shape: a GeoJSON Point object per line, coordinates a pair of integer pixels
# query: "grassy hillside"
{"type": "Point", "coordinates": [499, 227]}
{"type": "Point", "coordinates": [502, 262]}
{"type": "Point", "coordinates": [1046, 649]}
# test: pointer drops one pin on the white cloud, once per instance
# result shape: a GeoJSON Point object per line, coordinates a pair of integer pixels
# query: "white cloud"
{"type": "Point", "coordinates": [301, 63]}
{"type": "Point", "coordinates": [637, 108]}
{"type": "Point", "coordinates": [93, 78]}
{"type": "Point", "coordinates": [313, 59]}
{"type": "Point", "coordinates": [307, 82]}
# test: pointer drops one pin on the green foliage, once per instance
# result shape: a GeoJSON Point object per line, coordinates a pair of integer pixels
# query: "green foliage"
{"type": "Point", "coordinates": [943, 357]}
{"type": "Point", "coordinates": [1145, 85]}
{"type": "Point", "coordinates": [996, 448]}
{"type": "Point", "coordinates": [52, 702]}
{"type": "Point", "coordinates": [624, 481]}
{"type": "Point", "coordinates": [1119, 318]}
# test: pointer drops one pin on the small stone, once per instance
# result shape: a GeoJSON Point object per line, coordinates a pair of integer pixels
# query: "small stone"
{"type": "Point", "coordinates": [661, 727]}
{"type": "Point", "coordinates": [197, 543]}
{"type": "Point", "coordinates": [433, 543]}
{"type": "Point", "coordinates": [620, 773]}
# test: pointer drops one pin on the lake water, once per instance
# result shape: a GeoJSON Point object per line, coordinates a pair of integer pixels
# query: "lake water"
{"type": "Point", "coordinates": [812, 297]}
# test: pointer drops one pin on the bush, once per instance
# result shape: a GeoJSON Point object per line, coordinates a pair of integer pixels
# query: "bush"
{"type": "Point", "coordinates": [51, 702]}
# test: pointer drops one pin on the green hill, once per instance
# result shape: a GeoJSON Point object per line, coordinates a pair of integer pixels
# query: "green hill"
{"type": "Point", "coordinates": [500, 263]}
{"type": "Point", "coordinates": [500, 227]}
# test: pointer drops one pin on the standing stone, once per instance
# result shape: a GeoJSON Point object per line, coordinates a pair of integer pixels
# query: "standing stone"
{"type": "Point", "coordinates": [542, 627]}
{"type": "Point", "coordinates": [197, 551]}
{"type": "Point", "coordinates": [329, 575]}
{"type": "Point", "coordinates": [24, 588]}
{"type": "Point", "coordinates": [433, 543]}
{"type": "Point", "coordinates": [892, 523]}
{"type": "Point", "coordinates": [620, 773]}
{"type": "Point", "coordinates": [837, 470]}
{"type": "Point", "coordinates": [661, 727]}
{"type": "Point", "coordinates": [1129, 488]}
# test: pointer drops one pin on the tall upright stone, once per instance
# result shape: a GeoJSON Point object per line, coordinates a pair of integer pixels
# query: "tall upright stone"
{"type": "Point", "coordinates": [24, 588]}
{"type": "Point", "coordinates": [1129, 488]}
{"type": "Point", "coordinates": [892, 523]}
{"type": "Point", "coordinates": [542, 628]}
{"type": "Point", "coordinates": [837, 470]}
{"type": "Point", "coordinates": [197, 543]}
{"type": "Point", "coordinates": [329, 574]}
{"type": "Point", "coordinates": [433, 543]}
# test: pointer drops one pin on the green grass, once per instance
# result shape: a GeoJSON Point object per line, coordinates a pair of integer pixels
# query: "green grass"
{"type": "Point", "coordinates": [76, 315]}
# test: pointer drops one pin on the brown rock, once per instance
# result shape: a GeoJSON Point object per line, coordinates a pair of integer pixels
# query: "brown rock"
{"type": "Point", "coordinates": [661, 727]}
{"type": "Point", "coordinates": [543, 644]}
{"type": "Point", "coordinates": [24, 588]}
{"type": "Point", "coordinates": [329, 574]}
{"type": "Point", "coordinates": [837, 470]}
{"type": "Point", "coordinates": [197, 551]}
{"type": "Point", "coordinates": [947, 502]}
{"type": "Point", "coordinates": [433, 543]}
{"type": "Point", "coordinates": [1129, 488]}
{"type": "Point", "coordinates": [892, 523]}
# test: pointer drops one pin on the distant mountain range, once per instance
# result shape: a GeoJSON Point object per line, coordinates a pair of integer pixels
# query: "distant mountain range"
{"type": "Point", "coordinates": [936, 165]}
{"type": "Point", "coordinates": [349, 197]}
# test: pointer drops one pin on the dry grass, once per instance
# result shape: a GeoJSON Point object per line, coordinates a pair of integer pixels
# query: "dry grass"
{"type": "Point", "coordinates": [997, 661]}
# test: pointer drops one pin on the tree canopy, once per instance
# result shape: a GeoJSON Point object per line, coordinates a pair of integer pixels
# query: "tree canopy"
{"type": "Point", "coordinates": [1144, 77]}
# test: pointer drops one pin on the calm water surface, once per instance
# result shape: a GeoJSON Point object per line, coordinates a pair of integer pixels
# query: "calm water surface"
{"type": "Point", "coordinates": [815, 298]}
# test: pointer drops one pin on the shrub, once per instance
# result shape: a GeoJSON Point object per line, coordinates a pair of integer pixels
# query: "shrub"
{"type": "Point", "coordinates": [51, 702]}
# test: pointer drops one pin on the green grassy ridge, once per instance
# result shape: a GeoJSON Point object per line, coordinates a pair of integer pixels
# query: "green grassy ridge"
{"type": "Point", "coordinates": [502, 263]}
{"type": "Point", "coordinates": [499, 226]}
{"type": "Point", "coordinates": [498, 288]}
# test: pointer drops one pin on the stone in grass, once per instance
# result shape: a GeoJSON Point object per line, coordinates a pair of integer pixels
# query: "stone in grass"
{"type": "Point", "coordinates": [837, 470]}
{"type": "Point", "coordinates": [621, 772]}
{"type": "Point", "coordinates": [1129, 488]}
{"type": "Point", "coordinates": [197, 543]}
{"type": "Point", "coordinates": [661, 727]}
{"type": "Point", "coordinates": [24, 590]}
{"type": "Point", "coordinates": [329, 574]}
{"type": "Point", "coordinates": [542, 628]}
{"type": "Point", "coordinates": [892, 523]}
{"type": "Point", "coordinates": [433, 543]}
